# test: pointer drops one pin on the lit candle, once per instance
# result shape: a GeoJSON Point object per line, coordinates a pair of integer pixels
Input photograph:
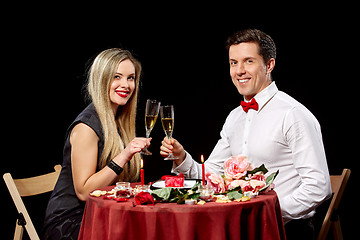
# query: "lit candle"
{"type": "Point", "coordinates": [142, 172]}
{"type": "Point", "coordinates": [203, 170]}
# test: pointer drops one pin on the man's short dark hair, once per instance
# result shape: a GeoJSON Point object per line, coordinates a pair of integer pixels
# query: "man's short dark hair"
{"type": "Point", "coordinates": [267, 48]}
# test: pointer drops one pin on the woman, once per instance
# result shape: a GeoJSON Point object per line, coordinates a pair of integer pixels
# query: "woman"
{"type": "Point", "coordinates": [101, 146]}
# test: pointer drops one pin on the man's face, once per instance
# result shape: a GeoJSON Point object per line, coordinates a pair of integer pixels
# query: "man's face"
{"type": "Point", "coordinates": [247, 69]}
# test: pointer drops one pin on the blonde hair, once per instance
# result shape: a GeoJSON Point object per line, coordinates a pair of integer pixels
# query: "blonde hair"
{"type": "Point", "coordinates": [100, 76]}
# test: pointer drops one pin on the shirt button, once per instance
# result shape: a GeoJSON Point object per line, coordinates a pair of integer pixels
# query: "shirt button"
{"type": "Point", "coordinates": [245, 142]}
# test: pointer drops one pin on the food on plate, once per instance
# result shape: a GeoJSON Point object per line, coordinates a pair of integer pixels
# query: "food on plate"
{"type": "Point", "coordinates": [174, 181]}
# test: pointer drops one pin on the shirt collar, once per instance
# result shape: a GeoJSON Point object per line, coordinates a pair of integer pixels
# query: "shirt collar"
{"type": "Point", "coordinates": [265, 95]}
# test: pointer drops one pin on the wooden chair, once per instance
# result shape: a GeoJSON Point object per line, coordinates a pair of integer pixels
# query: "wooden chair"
{"type": "Point", "coordinates": [28, 187]}
{"type": "Point", "coordinates": [338, 184]}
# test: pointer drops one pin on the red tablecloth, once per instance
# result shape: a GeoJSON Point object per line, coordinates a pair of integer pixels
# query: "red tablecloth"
{"type": "Point", "coordinates": [259, 218]}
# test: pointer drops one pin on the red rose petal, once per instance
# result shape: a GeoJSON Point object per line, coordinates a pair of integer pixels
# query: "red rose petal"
{"type": "Point", "coordinates": [119, 199]}
{"type": "Point", "coordinates": [144, 198]}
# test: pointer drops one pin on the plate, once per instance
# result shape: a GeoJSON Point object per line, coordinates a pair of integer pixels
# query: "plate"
{"type": "Point", "coordinates": [187, 184]}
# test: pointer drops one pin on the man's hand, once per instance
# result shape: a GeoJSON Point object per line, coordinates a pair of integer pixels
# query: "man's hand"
{"type": "Point", "coordinates": [173, 146]}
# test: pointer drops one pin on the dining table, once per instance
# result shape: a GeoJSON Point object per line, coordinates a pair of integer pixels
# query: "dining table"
{"type": "Point", "coordinates": [258, 218]}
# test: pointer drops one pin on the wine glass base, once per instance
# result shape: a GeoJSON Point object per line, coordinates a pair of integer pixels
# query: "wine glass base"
{"type": "Point", "coordinates": [146, 152]}
{"type": "Point", "coordinates": [171, 158]}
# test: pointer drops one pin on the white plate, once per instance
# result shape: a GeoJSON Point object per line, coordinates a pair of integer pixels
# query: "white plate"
{"type": "Point", "coordinates": [187, 184]}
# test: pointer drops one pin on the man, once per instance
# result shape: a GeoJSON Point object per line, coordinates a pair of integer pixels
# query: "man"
{"type": "Point", "coordinates": [270, 128]}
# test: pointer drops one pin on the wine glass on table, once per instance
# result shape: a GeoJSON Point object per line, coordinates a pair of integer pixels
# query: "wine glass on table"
{"type": "Point", "coordinates": [167, 120]}
{"type": "Point", "coordinates": [151, 115]}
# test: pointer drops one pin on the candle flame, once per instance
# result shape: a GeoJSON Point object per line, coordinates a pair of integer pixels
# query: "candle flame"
{"type": "Point", "coordinates": [141, 163]}
{"type": "Point", "coordinates": [202, 158]}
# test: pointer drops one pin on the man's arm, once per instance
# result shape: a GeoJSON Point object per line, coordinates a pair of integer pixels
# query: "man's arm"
{"type": "Point", "coordinates": [189, 167]}
{"type": "Point", "coordinates": [303, 136]}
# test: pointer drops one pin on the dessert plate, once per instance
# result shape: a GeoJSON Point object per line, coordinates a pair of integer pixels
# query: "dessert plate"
{"type": "Point", "coordinates": [187, 184]}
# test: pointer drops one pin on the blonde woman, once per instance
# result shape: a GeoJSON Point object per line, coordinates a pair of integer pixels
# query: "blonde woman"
{"type": "Point", "coordinates": [101, 146]}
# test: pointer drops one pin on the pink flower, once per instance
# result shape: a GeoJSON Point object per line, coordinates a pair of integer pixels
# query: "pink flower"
{"type": "Point", "coordinates": [236, 167]}
{"type": "Point", "coordinates": [257, 185]}
{"type": "Point", "coordinates": [216, 181]}
{"type": "Point", "coordinates": [258, 176]}
{"type": "Point", "coordinates": [247, 187]}
{"type": "Point", "coordinates": [235, 183]}
{"type": "Point", "coordinates": [256, 182]}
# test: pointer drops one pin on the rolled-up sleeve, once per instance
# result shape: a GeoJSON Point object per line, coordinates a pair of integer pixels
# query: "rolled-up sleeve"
{"type": "Point", "coordinates": [188, 167]}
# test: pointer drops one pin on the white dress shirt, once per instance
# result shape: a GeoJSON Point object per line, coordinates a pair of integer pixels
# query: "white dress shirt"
{"type": "Point", "coordinates": [284, 136]}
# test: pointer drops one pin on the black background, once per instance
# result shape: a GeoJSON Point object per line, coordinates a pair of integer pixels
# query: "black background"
{"type": "Point", "coordinates": [46, 52]}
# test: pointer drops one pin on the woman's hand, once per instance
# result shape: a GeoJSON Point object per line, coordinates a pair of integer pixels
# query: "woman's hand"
{"type": "Point", "coordinates": [135, 146]}
{"type": "Point", "coordinates": [84, 154]}
{"type": "Point", "coordinates": [173, 146]}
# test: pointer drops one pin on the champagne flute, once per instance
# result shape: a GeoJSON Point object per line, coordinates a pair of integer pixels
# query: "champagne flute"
{"type": "Point", "coordinates": [167, 120]}
{"type": "Point", "coordinates": [151, 115]}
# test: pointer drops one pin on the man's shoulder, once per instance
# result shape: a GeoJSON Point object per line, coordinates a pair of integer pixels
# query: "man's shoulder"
{"type": "Point", "coordinates": [287, 100]}
{"type": "Point", "coordinates": [234, 116]}
{"type": "Point", "coordinates": [294, 108]}
{"type": "Point", "coordinates": [285, 103]}
{"type": "Point", "coordinates": [236, 112]}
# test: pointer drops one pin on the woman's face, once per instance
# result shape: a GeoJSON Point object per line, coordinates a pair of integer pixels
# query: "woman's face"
{"type": "Point", "coordinates": [122, 85]}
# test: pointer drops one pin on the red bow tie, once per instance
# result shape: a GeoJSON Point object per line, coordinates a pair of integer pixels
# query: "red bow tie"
{"type": "Point", "coordinates": [247, 105]}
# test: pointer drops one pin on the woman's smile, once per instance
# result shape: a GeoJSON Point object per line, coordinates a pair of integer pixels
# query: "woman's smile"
{"type": "Point", "coordinates": [122, 93]}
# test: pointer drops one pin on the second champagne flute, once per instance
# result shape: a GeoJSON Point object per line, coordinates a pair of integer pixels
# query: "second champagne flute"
{"type": "Point", "coordinates": [167, 120]}
{"type": "Point", "coordinates": [151, 114]}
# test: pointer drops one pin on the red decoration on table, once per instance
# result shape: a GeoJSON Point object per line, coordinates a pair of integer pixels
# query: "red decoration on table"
{"type": "Point", "coordinates": [165, 176]}
{"type": "Point", "coordinates": [144, 198]}
{"type": "Point", "coordinates": [112, 197]}
{"type": "Point", "coordinates": [174, 221]}
{"type": "Point", "coordinates": [108, 196]}
{"type": "Point", "coordinates": [203, 170]}
{"type": "Point", "coordinates": [174, 181]}
{"type": "Point", "coordinates": [119, 199]}
{"type": "Point", "coordinates": [142, 173]}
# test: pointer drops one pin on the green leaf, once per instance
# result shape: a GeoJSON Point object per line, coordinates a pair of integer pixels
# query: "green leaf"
{"type": "Point", "coordinates": [269, 180]}
{"type": "Point", "coordinates": [175, 194]}
{"type": "Point", "coordinates": [262, 168]}
{"type": "Point", "coordinates": [238, 189]}
{"type": "Point", "coordinates": [182, 198]}
{"type": "Point", "coordinates": [196, 186]}
{"type": "Point", "coordinates": [234, 195]}
{"type": "Point", "coordinates": [194, 196]}
{"type": "Point", "coordinates": [162, 194]}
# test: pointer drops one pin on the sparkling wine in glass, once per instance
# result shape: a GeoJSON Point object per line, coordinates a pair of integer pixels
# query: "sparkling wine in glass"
{"type": "Point", "coordinates": [167, 120]}
{"type": "Point", "coordinates": [151, 114]}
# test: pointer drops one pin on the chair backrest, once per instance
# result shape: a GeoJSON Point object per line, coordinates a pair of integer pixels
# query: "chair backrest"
{"type": "Point", "coordinates": [338, 185]}
{"type": "Point", "coordinates": [28, 187]}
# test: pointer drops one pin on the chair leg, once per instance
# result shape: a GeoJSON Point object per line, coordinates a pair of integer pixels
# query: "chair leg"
{"type": "Point", "coordinates": [19, 230]}
{"type": "Point", "coordinates": [337, 229]}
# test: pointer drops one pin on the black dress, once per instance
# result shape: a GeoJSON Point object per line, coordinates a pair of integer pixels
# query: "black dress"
{"type": "Point", "coordinates": [64, 211]}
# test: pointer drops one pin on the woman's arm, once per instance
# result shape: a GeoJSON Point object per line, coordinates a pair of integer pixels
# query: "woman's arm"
{"type": "Point", "coordinates": [84, 152]}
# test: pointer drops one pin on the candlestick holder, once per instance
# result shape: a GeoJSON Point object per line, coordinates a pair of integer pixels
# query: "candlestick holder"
{"type": "Point", "coordinates": [206, 192]}
{"type": "Point", "coordinates": [141, 188]}
{"type": "Point", "coordinates": [123, 189]}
